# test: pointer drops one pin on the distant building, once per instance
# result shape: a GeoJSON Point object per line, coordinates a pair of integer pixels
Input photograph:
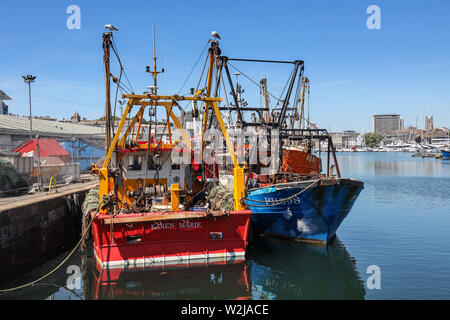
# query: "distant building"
{"type": "Point", "coordinates": [3, 106]}
{"type": "Point", "coordinates": [336, 138]}
{"type": "Point", "coordinates": [75, 118]}
{"type": "Point", "coordinates": [386, 123]}
{"type": "Point", "coordinates": [435, 134]}
{"type": "Point", "coordinates": [429, 126]}
{"type": "Point", "coordinates": [412, 133]}
{"type": "Point", "coordinates": [407, 134]}
{"type": "Point", "coordinates": [350, 138]}
{"type": "Point", "coordinates": [46, 118]}
{"type": "Point", "coordinates": [346, 139]}
{"type": "Point", "coordinates": [15, 130]}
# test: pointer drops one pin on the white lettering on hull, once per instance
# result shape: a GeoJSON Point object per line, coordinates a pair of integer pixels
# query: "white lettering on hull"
{"type": "Point", "coordinates": [295, 200]}
{"type": "Point", "coordinates": [173, 225]}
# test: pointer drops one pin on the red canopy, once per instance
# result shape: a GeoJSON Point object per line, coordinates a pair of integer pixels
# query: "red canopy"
{"type": "Point", "coordinates": [47, 148]}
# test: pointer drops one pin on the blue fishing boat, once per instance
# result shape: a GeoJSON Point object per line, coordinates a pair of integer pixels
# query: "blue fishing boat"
{"type": "Point", "coordinates": [299, 202]}
{"type": "Point", "coordinates": [445, 154]}
{"type": "Point", "coordinates": [312, 210]}
{"type": "Point", "coordinates": [299, 195]}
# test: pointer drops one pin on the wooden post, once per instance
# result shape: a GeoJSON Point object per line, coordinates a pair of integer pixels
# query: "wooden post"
{"type": "Point", "coordinates": [335, 160]}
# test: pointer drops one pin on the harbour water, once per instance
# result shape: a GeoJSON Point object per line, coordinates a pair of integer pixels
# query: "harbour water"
{"type": "Point", "coordinates": [400, 223]}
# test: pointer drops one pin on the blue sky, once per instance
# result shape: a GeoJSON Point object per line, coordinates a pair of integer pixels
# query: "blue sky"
{"type": "Point", "coordinates": [354, 72]}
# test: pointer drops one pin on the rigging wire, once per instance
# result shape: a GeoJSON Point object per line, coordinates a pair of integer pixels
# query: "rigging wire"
{"type": "Point", "coordinates": [115, 100]}
{"type": "Point", "coordinates": [124, 88]}
{"type": "Point", "coordinates": [192, 70]}
{"type": "Point", "coordinates": [158, 168]}
{"type": "Point", "coordinates": [285, 86]}
{"type": "Point", "coordinates": [201, 76]}
{"type": "Point", "coordinates": [298, 91]}
{"type": "Point", "coordinates": [308, 104]}
{"type": "Point", "coordinates": [114, 47]}
{"type": "Point", "coordinates": [120, 85]}
{"type": "Point", "coordinates": [148, 150]}
{"type": "Point", "coordinates": [226, 100]}
{"type": "Point", "coordinates": [258, 85]}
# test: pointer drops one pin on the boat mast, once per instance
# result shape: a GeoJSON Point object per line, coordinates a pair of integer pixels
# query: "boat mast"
{"type": "Point", "coordinates": [305, 84]}
{"type": "Point", "coordinates": [106, 60]}
{"type": "Point", "coordinates": [298, 64]}
{"type": "Point", "coordinates": [266, 115]}
{"type": "Point", "coordinates": [213, 51]}
{"type": "Point", "coordinates": [154, 89]}
{"type": "Point", "coordinates": [155, 73]}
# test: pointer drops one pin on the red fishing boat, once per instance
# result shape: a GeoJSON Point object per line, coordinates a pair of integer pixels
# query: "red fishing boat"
{"type": "Point", "coordinates": [156, 206]}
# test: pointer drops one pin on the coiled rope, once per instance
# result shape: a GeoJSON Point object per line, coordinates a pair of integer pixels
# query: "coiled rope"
{"type": "Point", "coordinates": [277, 202]}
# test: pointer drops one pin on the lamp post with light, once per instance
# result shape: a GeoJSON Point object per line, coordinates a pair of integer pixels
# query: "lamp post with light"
{"type": "Point", "coordinates": [29, 79]}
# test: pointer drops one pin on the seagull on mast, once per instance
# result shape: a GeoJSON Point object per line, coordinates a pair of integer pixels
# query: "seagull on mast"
{"type": "Point", "coordinates": [110, 27]}
{"type": "Point", "coordinates": [215, 35]}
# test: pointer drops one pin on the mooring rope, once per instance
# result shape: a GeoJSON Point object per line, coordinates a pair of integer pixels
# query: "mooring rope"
{"type": "Point", "coordinates": [59, 265]}
{"type": "Point", "coordinates": [277, 202]}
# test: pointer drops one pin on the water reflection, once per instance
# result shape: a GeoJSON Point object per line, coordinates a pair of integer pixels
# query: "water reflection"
{"type": "Point", "coordinates": [199, 282]}
{"type": "Point", "coordinates": [55, 286]}
{"type": "Point", "coordinates": [274, 269]}
{"type": "Point", "coordinates": [391, 164]}
{"type": "Point", "coordinates": [282, 269]}
{"type": "Point", "coordinates": [400, 222]}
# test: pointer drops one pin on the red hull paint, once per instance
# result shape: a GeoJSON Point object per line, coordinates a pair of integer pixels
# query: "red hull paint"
{"type": "Point", "coordinates": [220, 280]}
{"type": "Point", "coordinates": [169, 242]}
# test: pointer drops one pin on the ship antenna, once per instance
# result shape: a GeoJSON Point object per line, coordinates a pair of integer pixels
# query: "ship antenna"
{"type": "Point", "coordinates": [154, 73]}
{"type": "Point", "coordinates": [154, 61]}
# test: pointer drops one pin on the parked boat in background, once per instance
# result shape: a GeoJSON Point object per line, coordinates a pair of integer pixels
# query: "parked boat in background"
{"type": "Point", "coordinates": [295, 198]}
{"type": "Point", "coordinates": [313, 212]}
{"type": "Point", "coordinates": [306, 207]}
{"type": "Point", "coordinates": [445, 154]}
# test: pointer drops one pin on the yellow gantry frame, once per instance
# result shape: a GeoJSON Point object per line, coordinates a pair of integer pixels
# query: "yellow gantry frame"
{"type": "Point", "coordinates": [168, 102]}
{"type": "Point", "coordinates": [238, 172]}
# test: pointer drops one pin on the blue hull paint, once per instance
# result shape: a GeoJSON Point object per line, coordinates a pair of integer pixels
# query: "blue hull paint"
{"type": "Point", "coordinates": [445, 155]}
{"type": "Point", "coordinates": [288, 270]}
{"type": "Point", "coordinates": [314, 215]}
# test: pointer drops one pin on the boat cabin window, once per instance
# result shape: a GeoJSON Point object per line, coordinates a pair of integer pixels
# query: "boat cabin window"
{"type": "Point", "coordinates": [134, 163]}
{"type": "Point", "coordinates": [175, 166]}
{"type": "Point", "coordinates": [153, 163]}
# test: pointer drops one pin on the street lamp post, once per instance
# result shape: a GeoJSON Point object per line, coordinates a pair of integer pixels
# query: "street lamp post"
{"type": "Point", "coordinates": [29, 79]}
